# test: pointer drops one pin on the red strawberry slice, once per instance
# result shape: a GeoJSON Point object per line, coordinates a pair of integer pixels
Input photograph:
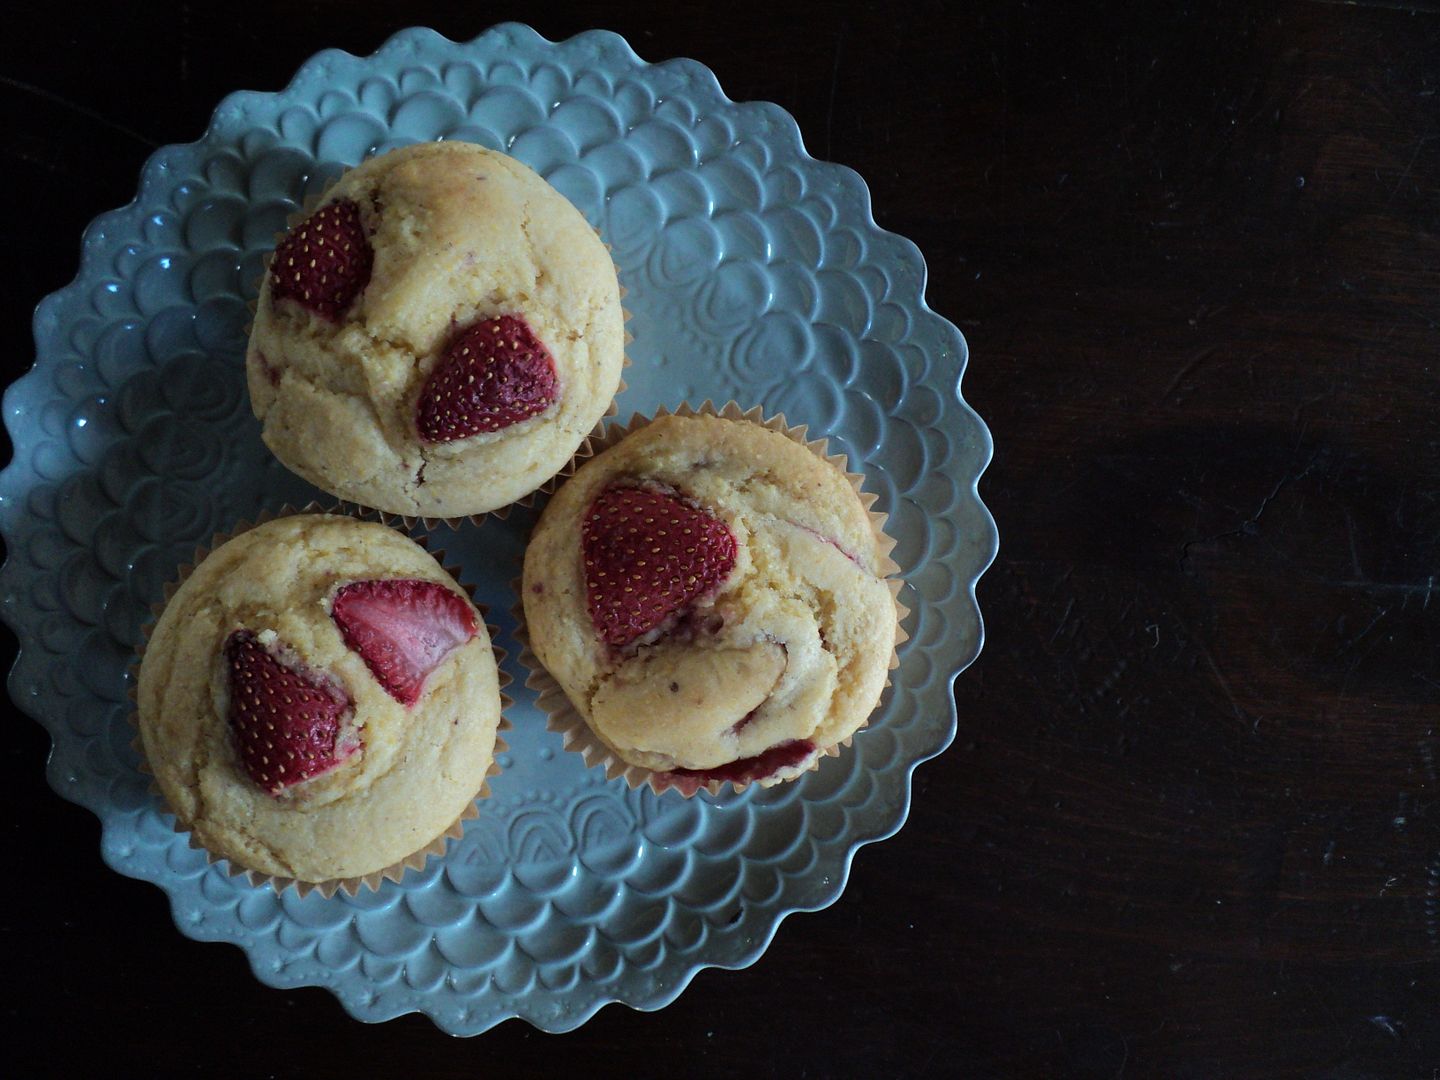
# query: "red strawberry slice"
{"type": "Point", "coordinates": [785, 755]}
{"type": "Point", "coordinates": [286, 721]}
{"type": "Point", "coordinates": [649, 555]}
{"type": "Point", "coordinates": [325, 261]}
{"type": "Point", "coordinates": [402, 629]}
{"type": "Point", "coordinates": [494, 374]}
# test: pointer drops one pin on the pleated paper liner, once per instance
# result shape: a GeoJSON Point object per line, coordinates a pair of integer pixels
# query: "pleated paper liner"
{"type": "Point", "coordinates": [417, 859]}
{"type": "Point", "coordinates": [582, 451]}
{"type": "Point", "coordinates": [562, 717]}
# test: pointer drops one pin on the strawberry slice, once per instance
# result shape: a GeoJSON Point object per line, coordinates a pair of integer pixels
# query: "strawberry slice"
{"type": "Point", "coordinates": [402, 629]}
{"type": "Point", "coordinates": [649, 555]}
{"type": "Point", "coordinates": [286, 721]}
{"type": "Point", "coordinates": [325, 261]}
{"type": "Point", "coordinates": [783, 755]}
{"type": "Point", "coordinates": [494, 374]}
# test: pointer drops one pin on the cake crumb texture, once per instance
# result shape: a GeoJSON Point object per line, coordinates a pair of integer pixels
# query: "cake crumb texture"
{"type": "Point", "coordinates": [416, 769]}
{"type": "Point", "coordinates": [460, 234]}
{"type": "Point", "coordinates": [793, 644]}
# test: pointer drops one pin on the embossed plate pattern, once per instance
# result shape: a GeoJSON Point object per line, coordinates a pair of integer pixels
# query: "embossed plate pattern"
{"type": "Point", "coordinates": [754, 272]}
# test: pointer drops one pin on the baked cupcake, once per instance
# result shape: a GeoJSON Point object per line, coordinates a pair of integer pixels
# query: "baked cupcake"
{"type": "Point", "coordinates": [438, 337]}
{"type": "Point", "coordinates": [710, 595]}
{"type": "Point", "coordinates": [319, 700]}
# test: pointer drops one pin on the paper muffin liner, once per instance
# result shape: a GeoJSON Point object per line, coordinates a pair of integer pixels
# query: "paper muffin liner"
{"type": "Point", "coordinates": [417, 859]}
{"type": "Point", "coordinates": [562, 717]}
{"type": "Point", "coordinates": [582, 452]}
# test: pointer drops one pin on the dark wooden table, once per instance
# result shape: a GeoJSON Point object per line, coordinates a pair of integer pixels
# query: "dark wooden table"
{"type": "Point", "coordinates": [1188, 828]}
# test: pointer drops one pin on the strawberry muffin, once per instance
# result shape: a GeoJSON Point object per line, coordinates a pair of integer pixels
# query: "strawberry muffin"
{"type": "Point", "coordinates": [711, 597]}
{"type": "Point", "coordinates": [319, 699]}
{"type": "Point", "coordinates": [438, 337]}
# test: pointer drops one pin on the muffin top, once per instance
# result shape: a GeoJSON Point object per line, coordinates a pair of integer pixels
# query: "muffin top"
{"type": "Point", "coordinates": [709, 594]}
{"type": "Point", "coordinates": [438, 337]}
{"type": "Point", "coordinates": [319, 699]}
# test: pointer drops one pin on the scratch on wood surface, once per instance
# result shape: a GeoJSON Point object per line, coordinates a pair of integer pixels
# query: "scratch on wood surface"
{"type": "Point", "coordinates": [1354, 552]}
{"type": "Point", "coordinates": [1432, 899]}
{"type": "Point", "coordinates": [1368, 627]}
{"type": "Point", "coordinates": [1313, 400]}
{"type": "Point", "coordinates": [1064, 618]}
{"type": "Point", "coordinates": [1419, 145]}
{"type": "Point", "coordinates": [1411, 7]}
{"type": "Point", "coordinates": [1195, 361]}
{"type": "Point", "coordinates": [1220, 678]}
{"type": "Point", "coordinates": [75, 107]}
{"type": "Point", "coordinates": [1250, 524]}
{"type": "Point", "coordinates": [1406, 591]}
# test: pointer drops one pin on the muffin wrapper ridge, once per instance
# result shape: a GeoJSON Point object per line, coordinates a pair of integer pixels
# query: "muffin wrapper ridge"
{"type": "Point", "coordinates": [350, 886]}
{"type": "Point", "coordinates": [561, 715]}
{"type": "Point", "coordinates": [408, 521]}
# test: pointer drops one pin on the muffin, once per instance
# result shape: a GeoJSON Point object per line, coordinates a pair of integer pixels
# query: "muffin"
{"type": "Point", "coordinates": [710, 595]}
{"type": "Point", "coordinates": [438, 337]}
{"type": "Point", "coordinates": [318, 700]}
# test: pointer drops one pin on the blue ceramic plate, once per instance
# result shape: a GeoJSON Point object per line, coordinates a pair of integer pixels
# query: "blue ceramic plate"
{"type": "Point", "coordinates": [755, 273]}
